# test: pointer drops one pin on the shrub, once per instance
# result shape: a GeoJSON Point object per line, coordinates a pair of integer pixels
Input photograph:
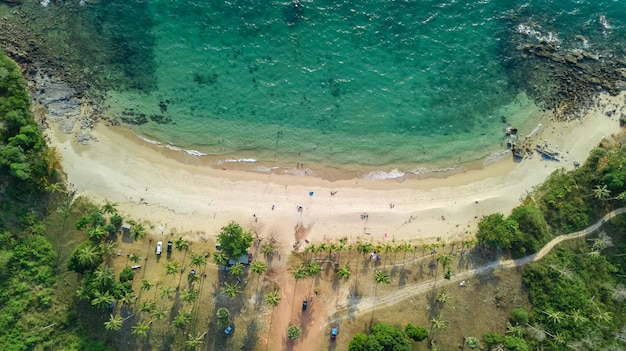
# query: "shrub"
{"type": "Point", "coordinates": [416, 333]}
{"type": "Point", "coordinates": [519, 315]}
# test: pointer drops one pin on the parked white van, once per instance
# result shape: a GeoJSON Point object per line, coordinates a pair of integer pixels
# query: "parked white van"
{"type": "Point", "coordinates": [159, 247]}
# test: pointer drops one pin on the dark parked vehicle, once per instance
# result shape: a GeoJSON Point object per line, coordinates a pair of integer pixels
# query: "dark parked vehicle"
{"type": "Point", "coordinates": [169, 246]}
{"type": "Point", "coordinates": [229, 329]}
{"type": "Point", "coordinates": [304, 304]}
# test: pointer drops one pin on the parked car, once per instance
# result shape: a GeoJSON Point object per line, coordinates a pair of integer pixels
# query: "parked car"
{"type": "Point", "coordinates": [169, 246]}
{"type": "Point", "coordinates": [333, 333]}
{"type": "Point", "coordinates": [159, 248]}
{"type": "Point", "coordinates": [304, 304]}
{"type": "Point", "coordinates": [229, 329]}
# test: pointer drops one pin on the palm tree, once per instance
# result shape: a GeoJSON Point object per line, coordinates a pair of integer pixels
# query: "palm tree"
{"type": "Point", "coordinates": [198, 260]}
{"type": "Point", "coordinates": [313, 268]}
{"type": "Point", "coordinates": [159, 313]}
{"type": "Point", "coordinates": [167, 292]}
{"type": "Point", "coordinates": [138, 232]}
{"type": "Point", "coordinates": [298, 273]}
{"type": "Point", "coordinates": [107, 248]}
{"type": "Point", "coordinates": [189, 295]}
{"type": "Point", "coordinates": [147, 306]}
{"type": "Point", "coordinates": [236, 270]}
{"type": "Point", "coordinates": [104, 277]}
{"type": "Point", "coordinates": [601, 192]}
{"type": "Point", "coordinates": [444, 260]}
{"type": "Point", "coordinates": [443, 297]}
{"type": "Point", "coordinates": [172, 268]}
{"type": "Point", "coordinates": [231, 290]}
{"type": "Point", "coordinates": [141, 328]}
{"type": "Point", "coordinates": [257, 267]}
{"type": "Point", "coordinates": [220, 258]}
{"type": "Point", "coordinates": [109, 207]}
{"type": "Point", "coordinates": [134, 258]}
{"type": "Point", "coordinates": [273, 299]}
{"type": "Point", "coordinates": [556, 317]}
{"type": "Point", "coordinates": [128, 298]}
{"type": "Point", "coordinates": [268, 249]}
{"type": "Point", "coordinates": [380, 277]}
{"type": "Point", "coordinates": [102, 299]}
{"type": "Point", "coordinates": [472, 342]}
{"type": "Point", "coordinates": [114, 323]}
{"type": "Point", "coordinates": [344, 271]}
{"type": "Point", "coordinates": [181, 244]}
{"type": "Point", "coordinates": [194, 341]}
{"type": "Point", "coordinates": [89, 255]}
{"type": "Point", "coordinates": [182, 319]}
{"type": "Point", "coordinates": [97, 233]}
{"type": "Point", "coordinates": [439, 323]}
{"type": "Point", "coordinates": [146, 285]}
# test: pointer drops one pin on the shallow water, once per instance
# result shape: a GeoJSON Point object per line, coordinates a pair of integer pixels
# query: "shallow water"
{"type": "Point", "coordinates": [375, 83]}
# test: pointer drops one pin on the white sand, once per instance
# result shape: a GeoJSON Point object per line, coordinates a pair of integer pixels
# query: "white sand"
{"type": "Point", "coordinates": [173, 190]}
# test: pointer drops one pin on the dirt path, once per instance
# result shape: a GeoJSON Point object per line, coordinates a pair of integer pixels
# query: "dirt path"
{"type": "Point", "coordinates": [365, 305]}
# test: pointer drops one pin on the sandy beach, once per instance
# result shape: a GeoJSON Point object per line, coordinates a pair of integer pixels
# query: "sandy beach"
{"type": "Point", "coordinates": [176, 192]}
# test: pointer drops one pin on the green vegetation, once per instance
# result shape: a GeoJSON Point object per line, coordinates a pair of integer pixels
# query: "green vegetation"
{"type": "Point", "coordinates": [234, 240]}
{"type": "Point", "coordinates": [35, 313]}
{"type": "Point", "coordinates": [29, 165]}
{"type": "Point", "coordinates": [294, 332]}
{"type": "Point", "coordinates": [383, 337]}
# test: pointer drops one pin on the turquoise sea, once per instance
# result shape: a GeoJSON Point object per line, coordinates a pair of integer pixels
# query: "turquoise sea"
{"type": "Point", "coordinates": [376, 83]}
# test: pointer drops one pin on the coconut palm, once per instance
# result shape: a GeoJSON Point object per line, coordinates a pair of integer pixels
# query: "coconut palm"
{"type": "Point", "coordinates": [268, 249]}
{"type": "Point", "coordinates": [380, 277]}
{"type": "Point", "coordinates": [146, 285]}
{"type": "Point", "coordinates": [104, 277]}
{"type": "Point", "coordinates": [472, 342]}
{"type": "Point", "coordinates": [189, 295]}
{"type": "Point", "coordinates": [443, 297]}
{"type": "Point", "coordinates": [273, 299]}
{"type": "Point", "coordinates": [344, 271]}
{"type": "Point", "coordinates": [97, 233]}
{"type": "Point", "coordinates": [182, 319]}
{"type": "Point", "coordinates": [194, 341]}
{"type": "Point", "coordinates": [159, 313]}
{"type": "Point", "coordinates": [439, 323]}
{"type": "Point", "coordinates": [198, 260]}
{"type": "Point", "coordinates": [236, 270]}
{"type": "Point", "coordinates": [257, 267]}
{"type": "Point", "coordinates": [231, 290]}
{"type": "Point", "coordinates": [114, 323]}
{"type": "Point", "coordinates": [89, 255]}
{"type": "Point", "coordinates": [601, 192]}
{"type": "Point", "coordinates": [128, 298]}
{"type": "Point", "coordinates": [138, 232]}
{"type": "Point", "coordinates": [109, 207]}
{"type": "Point", "coordinates": [445, 261]}
{"type": "Point", "coordinates": [514, 330]}
{"type": "Point", "coordinates": [107, 248]}
{"type": "Point", "coordinates": [134, 258]}
{"type": "Point", "coordinates": [167, 292]}
{"type": "Point", "coordinates": [147, 306]}
{"type": "Point", "coordinates": [220, 258]}
{"type": "Point", "coordinates": [141, 328]}
{"type": "Point", "coordinates": [181, 244]}
{"type": "Point", "coordinates": [313, 268]}
{"type": "Point", "coordinates": [102, 299]}
{"type": "Point", "coordinates": [172, 268]}
{"type": "Point", "coordinates": [556, 317]}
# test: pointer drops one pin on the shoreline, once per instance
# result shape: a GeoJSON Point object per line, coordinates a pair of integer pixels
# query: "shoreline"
{"type": "Point", "coordinates": [181, 193]}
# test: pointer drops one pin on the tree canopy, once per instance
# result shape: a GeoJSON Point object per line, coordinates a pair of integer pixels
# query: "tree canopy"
{"type": "Point", "coordinates": [234, 240]}
{"type": "Point", "coordinates": [383, 337]}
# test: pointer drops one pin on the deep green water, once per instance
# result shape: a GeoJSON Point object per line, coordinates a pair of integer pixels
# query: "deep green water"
{"type": "Point", "coordinates": [376, 83]}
